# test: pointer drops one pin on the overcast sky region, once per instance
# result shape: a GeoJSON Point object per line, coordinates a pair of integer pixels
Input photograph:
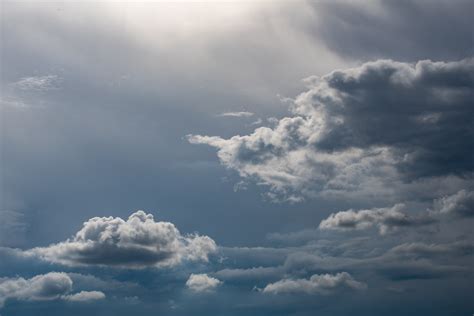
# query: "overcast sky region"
{"type": "Point", "coordinates": [237, 158]}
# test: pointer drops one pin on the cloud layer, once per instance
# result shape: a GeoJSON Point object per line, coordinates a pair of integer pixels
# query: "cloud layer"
{"type": "Point", "coordinates": [138, 242]}
{"type": "Point", "coordinates": [460, 204]}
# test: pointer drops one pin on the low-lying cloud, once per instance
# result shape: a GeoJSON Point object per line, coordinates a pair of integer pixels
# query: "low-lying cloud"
{"type": "Point", "coordinates": [316, 284]}
{"type": "Point", "coordinates": [44, 287]}
{"type": "Point", "coordinates": [385, 219]}
{"type": "Point", "coordinates": [137, 242]}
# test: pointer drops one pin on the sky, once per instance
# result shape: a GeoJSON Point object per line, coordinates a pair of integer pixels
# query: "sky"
{"type": "Point", "coordinates": [237, 157]}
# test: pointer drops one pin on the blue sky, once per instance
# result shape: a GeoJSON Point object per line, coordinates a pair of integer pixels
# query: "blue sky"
{"type": "Point", "coordinates": [236, 158]}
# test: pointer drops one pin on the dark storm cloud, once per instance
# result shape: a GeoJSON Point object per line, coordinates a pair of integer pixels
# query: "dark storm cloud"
{"type": "Point", "coordinates": [138, 242]}
{"type": "Point", "coordinates": [357, 128]}
{"type": "Point", "coordinates": [403, 30]}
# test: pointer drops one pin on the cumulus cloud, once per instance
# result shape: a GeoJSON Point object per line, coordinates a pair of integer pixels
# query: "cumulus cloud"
{"type": "Point", "coordinates": [44, 287]}
{"type": "Point", "coordinates": [137, 242]}
{"type": "Point", "coordinates": [460, 204]}
{"type": "Point", "coordinates": [237, 114]}
{"type": "Point", "coordinates": [385, 219]}
{"type": "Point", "coordinates": [363, 130]}
{"type": "Point", "coordinates": [317, 284]}
{"type": "Point", "coordinates": [202, 283]}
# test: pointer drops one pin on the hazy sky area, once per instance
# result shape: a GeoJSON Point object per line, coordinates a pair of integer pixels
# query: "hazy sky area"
{"type": "Point", "coordinates": [237, 158]}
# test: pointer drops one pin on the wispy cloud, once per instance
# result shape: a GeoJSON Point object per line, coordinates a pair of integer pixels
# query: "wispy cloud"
{"type": "Point", "coordinates": [38, 83]}
{"type": "Point", "coordinates": [237, 114]}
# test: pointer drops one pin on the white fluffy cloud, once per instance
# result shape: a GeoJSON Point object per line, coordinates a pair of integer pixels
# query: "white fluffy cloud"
{"type": "Point", "coordinates": [202, 283]}
{"type": "Point", "coordinates": [137, 242]}
{"type": "Point", "coordinates": [385, 219]}
{"type": "Point", "coordinates": [44, 287]}
{"type": "Point", "coordinates": [363, 131]}
{"type": "Point", "coordinates": [317, 284]}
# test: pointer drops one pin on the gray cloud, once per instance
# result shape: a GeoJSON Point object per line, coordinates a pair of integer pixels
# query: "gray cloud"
{"type": "Point", "coordinates": [387, 29]}
{"type": "Point", "coordinates": [250, 274]}
{"type": "Point", "coordinates": [202, 283]}
{"type": "Point", "coordinates": [385, 219]}
{"type": "Point", "coordinates": [13, 228]}
{"type": "Point", "coordinates": [38, 83]}
{"type": "Point", "coordinates": [317, 284]}
{"type": "Point", "coordinates": [460, 204]}
{"type": "Point", "coordinates": [45, 287]}
{"type": "Point", "coordinates": [138, 242]}
{"type": "Point", "coordinates": [368, 130]}
{"type": "Point", "coordinates": [421, 249]}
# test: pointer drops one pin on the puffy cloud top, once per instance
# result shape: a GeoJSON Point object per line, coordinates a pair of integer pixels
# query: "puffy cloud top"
{"type": "Point", "coordinates": [138, 242]}
{"type": "Point", "coordinates": [355, 128]}
{"type": "Point", "coordinates": [202, 283]}
{"type": "Point", "coordinates": [386, 219]}
{"type": "Point", "coordinates": [317, 284]}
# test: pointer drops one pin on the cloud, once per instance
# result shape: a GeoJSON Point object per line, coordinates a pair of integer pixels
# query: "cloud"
{"type": "Point", "coordinates": [84, 296]}
{"type": "Point", "coordinates": [44, 287]}
{"type": "Point", "coordinates": [460, 204]}
{"type": "Point", "coordinates": [38, 83]}
{"type": "Point", "coordinates": [386, 219]}
{"type": "Point", "coordinates": [237, 114]}
{"type": "Point", "coordinates": [421, 249]}
{"type": "Point", "coordinates": [317, 284]}
{"type": "Point", "coordinates": [138, 242]}
{"type": "Point", "coordinates": [365, 130]}
{"type": "Point", "coordinates": [388, 29]}
{"type": "Point", "coordinates": [249, 274]}
{"type": "Point", "coordinates": [202, 283]}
